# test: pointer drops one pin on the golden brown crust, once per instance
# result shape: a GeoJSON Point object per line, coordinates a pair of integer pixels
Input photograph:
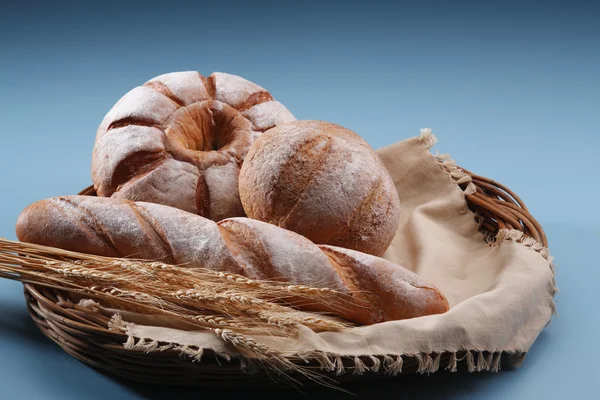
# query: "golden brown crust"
{"type": "Point", "coordinates": [254, 99]}
{"type": "Point", "coordinates": [33, 227]}
{"type": "Point", "coordinates": [248, 249]}
{"type": "Point", "coordinates": [304, 166]}
{"type": "Point", "coordinates": [322, 181]}
{"type": "Point", "coordinates": [396, 293]}
{"type": "Point", "coordinates": [164, 89]}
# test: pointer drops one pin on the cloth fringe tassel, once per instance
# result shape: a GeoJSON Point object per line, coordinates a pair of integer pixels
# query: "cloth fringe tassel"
{"type": "Point", "coordinates": [461, 178]}
{"type": "Point", "coordinates": [387, 364]}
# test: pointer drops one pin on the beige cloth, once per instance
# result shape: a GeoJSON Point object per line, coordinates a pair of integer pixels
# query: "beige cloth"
{"type": "Point", "coordinates": [501, 295]}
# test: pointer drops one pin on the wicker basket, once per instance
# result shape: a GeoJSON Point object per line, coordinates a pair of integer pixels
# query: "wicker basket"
{"type": "Point", "coordinates": [85, 335]}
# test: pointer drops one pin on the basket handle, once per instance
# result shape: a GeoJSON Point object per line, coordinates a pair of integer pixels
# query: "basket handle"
{"type": "Point", "coordinates": [501, 208]}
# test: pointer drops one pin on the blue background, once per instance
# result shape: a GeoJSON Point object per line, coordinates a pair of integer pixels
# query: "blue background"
{"type": "Point", "coordinates": [511, 90]}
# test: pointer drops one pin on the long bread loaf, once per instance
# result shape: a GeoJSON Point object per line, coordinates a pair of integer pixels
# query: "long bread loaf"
{"type": "Point", "coordinates": [257, 250]}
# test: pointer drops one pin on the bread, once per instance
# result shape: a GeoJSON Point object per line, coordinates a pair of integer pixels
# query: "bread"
{"type": "Point", "coordinates": [324, 182]}
{"type": "Point", "coordinates": [255, 249]}
{"type": "Point", "coordinates": [179, 140]}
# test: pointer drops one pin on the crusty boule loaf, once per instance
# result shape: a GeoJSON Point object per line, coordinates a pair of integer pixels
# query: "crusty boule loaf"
{"type": "Point", "coordinates": [179, 140]}
{"type": "Point", "coordinates": [322, 181]}
{"type": "Point", "coordinates": [255, 249]}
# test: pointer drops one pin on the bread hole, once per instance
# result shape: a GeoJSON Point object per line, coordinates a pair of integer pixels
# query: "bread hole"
{"type": "Point", "coordinates": [207, 126]}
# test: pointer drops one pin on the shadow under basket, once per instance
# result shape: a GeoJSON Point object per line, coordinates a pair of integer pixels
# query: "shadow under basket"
{"type": "Point", "coordinates": [84, 334]}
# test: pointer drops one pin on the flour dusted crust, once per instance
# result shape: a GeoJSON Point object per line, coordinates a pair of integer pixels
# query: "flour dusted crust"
{"type": "Point", "coordinates": [121, 228]}
{"type": "Point", "coordinates": [396, 293]}
{"type": "Point", "coordinates": [180, 139]}
{"type": "Point", "coordinates": [323, 181]}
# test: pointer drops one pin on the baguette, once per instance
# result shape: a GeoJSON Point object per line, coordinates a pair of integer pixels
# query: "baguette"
{"type": "Point", "coordinates": [121, 228]}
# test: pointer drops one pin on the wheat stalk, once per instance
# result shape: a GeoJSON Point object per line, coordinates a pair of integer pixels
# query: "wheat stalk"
{"type": "Point", "coordinates": [235, 308]}
{"type": "Point", "coordinates": [152, 271]}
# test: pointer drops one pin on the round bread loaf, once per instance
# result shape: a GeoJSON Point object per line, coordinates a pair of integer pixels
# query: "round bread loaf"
{"type": "Point", "coordinates": [179, 140]}
{"type": "Point", "coordinates": [324, 182]}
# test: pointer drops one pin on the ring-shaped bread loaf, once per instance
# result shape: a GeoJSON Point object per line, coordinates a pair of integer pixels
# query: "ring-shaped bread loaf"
{"type": "Point", "coordinates": [180, 140]}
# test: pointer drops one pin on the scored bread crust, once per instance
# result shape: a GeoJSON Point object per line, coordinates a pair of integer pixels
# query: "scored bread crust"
{"type": "Point", "coordinates": [108, 227]}
{"type": "Point", "coordinates": [180, 139]}
{"type": "Point", "coordinates": [324, 182]}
